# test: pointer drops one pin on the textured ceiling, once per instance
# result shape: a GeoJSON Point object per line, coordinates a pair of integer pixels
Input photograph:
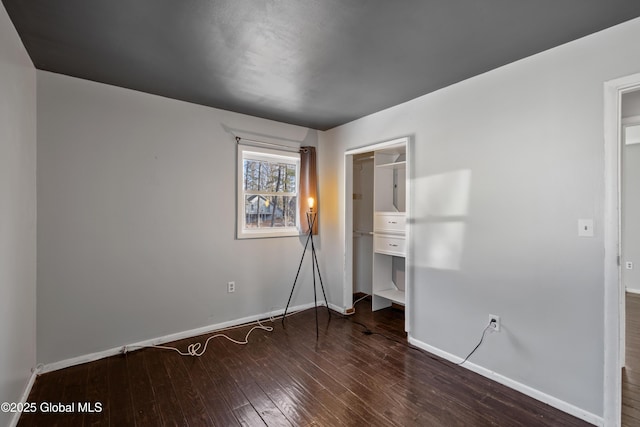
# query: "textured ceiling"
{"type": "Point", "coordinates": [315, 63]}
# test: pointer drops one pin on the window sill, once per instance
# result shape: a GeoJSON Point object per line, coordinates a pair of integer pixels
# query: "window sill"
{"type": "Point", "coordinates": [262, 234]}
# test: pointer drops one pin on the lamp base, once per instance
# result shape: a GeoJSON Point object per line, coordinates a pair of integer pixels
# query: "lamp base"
{"type": "Point", "coordinates": [311, 219]}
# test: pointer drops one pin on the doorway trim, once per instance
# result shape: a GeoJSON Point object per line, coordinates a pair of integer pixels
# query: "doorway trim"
{"type": "Point", "coordinates": [347, 285]}
{"type": "Point", "coordinates": [613, 287]}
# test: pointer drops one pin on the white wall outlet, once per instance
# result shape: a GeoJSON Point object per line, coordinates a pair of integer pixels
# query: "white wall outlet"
{"type": "Point", "coordinates": [231, 287]}
{"type": "Point", "coordinates": [494, 323]}
{"type": "Point", "coordinates": [629, 265]}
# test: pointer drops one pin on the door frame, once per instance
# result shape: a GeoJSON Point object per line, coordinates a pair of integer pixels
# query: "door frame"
{"type": "Point", "coordinates": [348, 219]}
{"type": "Point", "coordinates": [614, 310]}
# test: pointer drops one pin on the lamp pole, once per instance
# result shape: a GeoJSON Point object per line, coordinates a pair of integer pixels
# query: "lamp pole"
{"type": "Point", "coordinates": [311, 219]}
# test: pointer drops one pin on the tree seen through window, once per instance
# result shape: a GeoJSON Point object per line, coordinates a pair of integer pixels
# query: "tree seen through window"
{"type": "Point", "coordinates": [270, 193]}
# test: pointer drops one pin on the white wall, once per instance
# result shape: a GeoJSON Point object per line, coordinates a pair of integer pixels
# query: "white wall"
{"type": "Point", "coordinates": [504, 165]}
{"type": "Point", "coordinates": [17, 215]}
{"type": "Point", "coordinates": [136, 197]}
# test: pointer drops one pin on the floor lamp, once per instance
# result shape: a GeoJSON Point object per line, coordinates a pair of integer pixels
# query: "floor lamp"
{"type": "Point", "coordinates": [312, 216]}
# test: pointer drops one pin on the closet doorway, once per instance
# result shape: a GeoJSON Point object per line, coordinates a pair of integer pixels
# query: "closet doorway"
{"type": "Point", "coordinates": [377, 245]}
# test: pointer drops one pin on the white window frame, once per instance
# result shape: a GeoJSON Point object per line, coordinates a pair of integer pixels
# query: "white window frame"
{"type": "Point", "coordinates": [260, 153]}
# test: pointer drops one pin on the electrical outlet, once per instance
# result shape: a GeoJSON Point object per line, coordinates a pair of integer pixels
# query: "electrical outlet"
{"type": "Point", "coordinates": [494, 323]}
{"type": "Point", "coordinates": [629, 265]}
{"type": "Point", "coordinates": [231, 287]}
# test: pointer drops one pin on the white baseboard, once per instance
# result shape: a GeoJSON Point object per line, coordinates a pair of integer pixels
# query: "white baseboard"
{"type": "Point", "coordinates": [25, 396]}
{"type": "Point", "coordinates": [340, 310]}
{"type": "Point", "coordinates": [524, 389]}
{"type": "Point", "coordinates": [174, 337]}
{"type": "Point", "coordinates": [633, 291]}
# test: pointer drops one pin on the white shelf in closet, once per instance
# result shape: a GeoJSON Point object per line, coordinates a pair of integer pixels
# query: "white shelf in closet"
{"type": "Point", "coordinates": [389, 226]}
{"type": "Point", "coordinates": [393, 165]}
{"type": "Point", "coordinates": [393, 295]}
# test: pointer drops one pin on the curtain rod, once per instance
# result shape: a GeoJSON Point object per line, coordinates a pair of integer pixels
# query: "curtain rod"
{"type": "Point", "coordinates": [272, 144]}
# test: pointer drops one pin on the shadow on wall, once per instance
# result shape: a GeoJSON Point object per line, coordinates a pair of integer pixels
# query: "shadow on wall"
{"type": "Point", "coordinates": [441, 211]}
{"type": "Point", "coordinates": [310, 137]}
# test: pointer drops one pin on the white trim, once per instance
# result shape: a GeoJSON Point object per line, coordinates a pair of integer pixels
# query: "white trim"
{"type": "Point", "coordinates": [377, 146]}
{"type": "Point", "coordinates": [25, 395]}
{"type": "Point", "coordinates": [633, 291]}
{"type": "Point", "coordinates": [524, 389]}
{"type": "Point", "coordinates": [347, 258]}
{"type": "Point", "coordinates": [267, 154]}
{"type": "Point", "coordinates": [613, 288]}
{"type": "Point", "coordinates": [341, 310]}
{"type": "Point", "coordinates": [409, 279]}
{"type": "Point", "coordinates": [612, 405]}
{"type": "Point", "coordinates": [171, 337]}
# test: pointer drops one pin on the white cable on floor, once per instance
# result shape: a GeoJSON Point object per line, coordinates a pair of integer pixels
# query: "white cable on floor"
{"type": "Point", "coordinates": [193, 349]}
{"type": "Point", "coordinates": [360, 299]}
{"type": "Point", "coordinates": [354, 304]}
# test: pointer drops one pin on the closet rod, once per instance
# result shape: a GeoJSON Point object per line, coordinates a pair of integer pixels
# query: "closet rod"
{"type": "Point", "coordinates": [271, 144]}
{"type": "Point", "coordinates": [362, 159]}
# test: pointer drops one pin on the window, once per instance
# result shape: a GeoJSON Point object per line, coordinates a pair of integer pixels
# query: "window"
{"type": "Point", "coordinates": [267, 193]}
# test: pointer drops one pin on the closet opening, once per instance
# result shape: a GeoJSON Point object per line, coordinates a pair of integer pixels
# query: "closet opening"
{"type": "Point", "coordinates": [376, 227]}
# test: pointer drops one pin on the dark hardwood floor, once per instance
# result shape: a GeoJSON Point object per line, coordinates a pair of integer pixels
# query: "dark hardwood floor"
{"type": "Point", "coordinates": [360, 372]}
{"type": "Point", "coordinates": [631, 372]}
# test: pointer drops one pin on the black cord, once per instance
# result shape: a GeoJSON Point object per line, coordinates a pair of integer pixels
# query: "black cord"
{"type": "Point", "coordinates": [368, 331]}
{"type": "Point", "coordinates": [476, 347]}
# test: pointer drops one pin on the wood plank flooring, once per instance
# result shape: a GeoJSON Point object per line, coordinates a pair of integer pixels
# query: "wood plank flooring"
{"type": "Point", "coordinates": [631, 373]}
{"type": "Point", "coordinates": [359, 372]}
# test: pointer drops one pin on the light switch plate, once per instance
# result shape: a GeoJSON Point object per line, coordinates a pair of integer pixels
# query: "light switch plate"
{"type": "Point", "coordinates": [585, 227]}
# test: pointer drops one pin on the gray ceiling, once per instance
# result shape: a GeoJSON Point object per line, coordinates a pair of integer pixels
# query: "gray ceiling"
{"type": "Point", "coordinates": [315, 63]}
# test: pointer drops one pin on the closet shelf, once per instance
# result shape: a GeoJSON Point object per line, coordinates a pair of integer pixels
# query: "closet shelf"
{"type": "Point", "coordinates": [394, 295]}
{"type": "Point", "coordinates": [395, 165]}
